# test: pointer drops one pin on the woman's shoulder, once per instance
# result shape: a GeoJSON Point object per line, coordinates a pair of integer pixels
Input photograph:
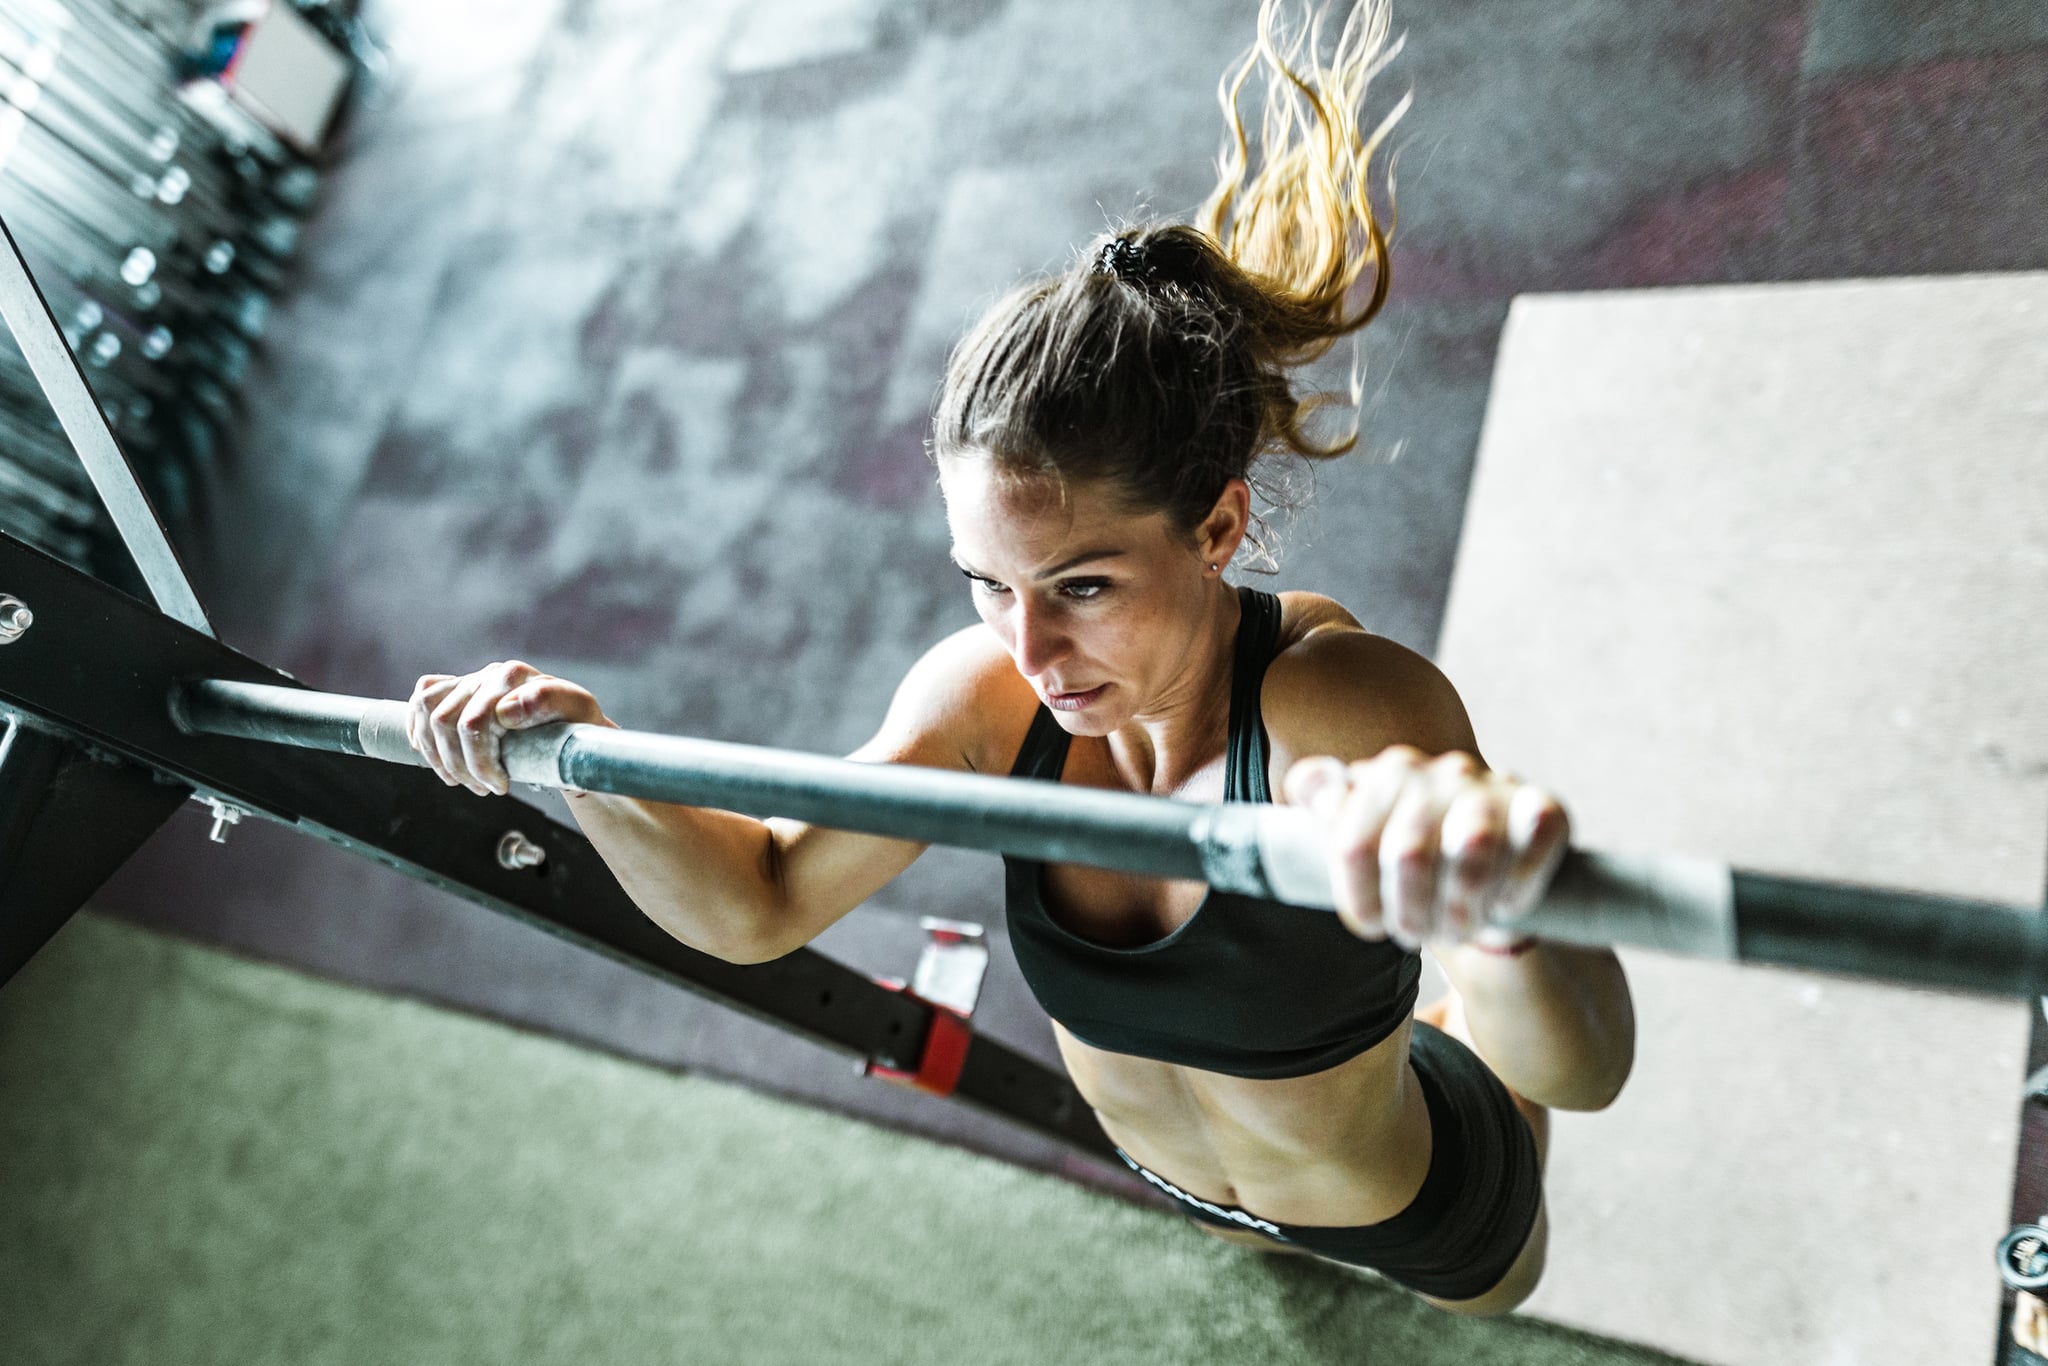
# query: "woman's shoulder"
{"type": "Point", "coordinates": [1334, 687]}
{"type": "Point", "coordinates": [967, 689]}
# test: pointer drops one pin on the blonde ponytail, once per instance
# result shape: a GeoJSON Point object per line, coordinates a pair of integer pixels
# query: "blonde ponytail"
{"type": "Point", "coordinates": [1160, 360]}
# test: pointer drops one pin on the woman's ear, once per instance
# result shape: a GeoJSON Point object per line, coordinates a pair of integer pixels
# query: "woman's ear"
{"type": "Point", "coordinates": [1224, 528]}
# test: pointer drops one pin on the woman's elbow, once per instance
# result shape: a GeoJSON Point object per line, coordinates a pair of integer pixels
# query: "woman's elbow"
{"type": "Point", "coordinates": [1599, 1085]}
{"type": "Point", "coordinates": [750, 952]}
{"type": "Point", "coordinates": [742, 937]}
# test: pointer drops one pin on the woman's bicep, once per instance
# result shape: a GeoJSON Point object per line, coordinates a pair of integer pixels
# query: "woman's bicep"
{"type": "Point", "coordinates": [823, 873]}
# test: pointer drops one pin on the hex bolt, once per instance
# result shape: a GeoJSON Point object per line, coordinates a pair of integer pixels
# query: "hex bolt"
{"type": "Point", "coordinates": [15, 619]}
{"type": "Point", "coordinates": [517, 852]}
{"type": "Point", "coordinates": [224, 817]}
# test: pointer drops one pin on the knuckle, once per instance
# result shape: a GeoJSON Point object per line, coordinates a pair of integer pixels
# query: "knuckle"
{"type": "Point", "coordinates": [1480, 841]}
{"type": "Point", "coordinates": [1459, 764]}
{"type": "Point", "coordinates": [1358, 851]}
{"type": "Point", "coordinates": [1411, 856]}
{"type": "Point", "coordinates": [1474, 883]}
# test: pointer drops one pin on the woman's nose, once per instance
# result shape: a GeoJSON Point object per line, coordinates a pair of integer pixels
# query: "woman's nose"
{"type": "Point", "coordinates": [1039, 641]}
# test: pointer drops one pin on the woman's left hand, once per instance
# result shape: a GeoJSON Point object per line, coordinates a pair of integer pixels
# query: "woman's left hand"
{"type": "Point", "coordinates": [1431, 848]}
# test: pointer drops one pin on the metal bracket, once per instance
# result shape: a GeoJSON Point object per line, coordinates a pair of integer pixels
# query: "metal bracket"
{"type": "Point", "coordinates": [953, 965]}
{"type": "Point", "coordinates": [948, 978]}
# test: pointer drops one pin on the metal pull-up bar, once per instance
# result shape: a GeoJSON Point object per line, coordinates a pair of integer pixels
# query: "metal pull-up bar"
{"type": "Point", "coordinates": [1681, 905]}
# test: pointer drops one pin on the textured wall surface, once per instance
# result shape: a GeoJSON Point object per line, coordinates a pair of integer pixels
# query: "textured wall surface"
{"type": "Point", "coordinates": [1755, 573]}
{"type": "Point", "coordinates": [612, 343]}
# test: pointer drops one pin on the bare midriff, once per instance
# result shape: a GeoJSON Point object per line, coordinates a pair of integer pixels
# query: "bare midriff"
{"type": "Point", "coordinates": [1342, 1147]}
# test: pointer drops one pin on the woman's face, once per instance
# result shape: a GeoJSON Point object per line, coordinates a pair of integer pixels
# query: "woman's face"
{"type": "Point", "coordinates": [1103, 610]}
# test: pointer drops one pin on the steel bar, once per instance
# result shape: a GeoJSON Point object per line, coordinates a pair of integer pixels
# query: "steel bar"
{"type": "Point", "coordinates": [1681, 905]}
{"type": "Point", "coordinates": [28, 317]}
{"type": "Point", "coordinates": [1257, 850]}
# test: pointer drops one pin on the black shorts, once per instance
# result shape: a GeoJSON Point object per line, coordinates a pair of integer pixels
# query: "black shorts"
{"type": "Point", "coordinates": [1478, 1201]}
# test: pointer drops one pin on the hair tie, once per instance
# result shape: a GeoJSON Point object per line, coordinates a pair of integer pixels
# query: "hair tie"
{"type": "Point", "coordinates": [1125, 259]}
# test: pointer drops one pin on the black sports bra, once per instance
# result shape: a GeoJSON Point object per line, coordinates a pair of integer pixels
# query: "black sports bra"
{"type": "Point", "coordinates": [1249, 987]}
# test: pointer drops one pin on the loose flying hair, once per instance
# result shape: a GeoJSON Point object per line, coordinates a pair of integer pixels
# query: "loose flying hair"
{"type": "Point", "coordinates": [1159, 362]}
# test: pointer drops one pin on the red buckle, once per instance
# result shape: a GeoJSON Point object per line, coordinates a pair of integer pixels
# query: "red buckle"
{"type": "Point", "coordinates": [945, 1048]}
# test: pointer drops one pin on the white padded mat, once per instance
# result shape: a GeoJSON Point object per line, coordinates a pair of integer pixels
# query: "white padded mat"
{"type": "Point", "coordinates": [1761, 573]}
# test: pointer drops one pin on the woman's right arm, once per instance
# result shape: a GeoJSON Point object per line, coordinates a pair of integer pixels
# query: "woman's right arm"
{"type": "Point", "coordinates": [738, 888]}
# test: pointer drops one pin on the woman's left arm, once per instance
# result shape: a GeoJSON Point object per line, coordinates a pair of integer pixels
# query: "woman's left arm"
{"type": "Point", "coordinates": [1432, 847]}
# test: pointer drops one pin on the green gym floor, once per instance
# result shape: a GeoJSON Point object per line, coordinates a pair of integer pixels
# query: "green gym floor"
{"type": "Point", "coordinates": [205, 1159]}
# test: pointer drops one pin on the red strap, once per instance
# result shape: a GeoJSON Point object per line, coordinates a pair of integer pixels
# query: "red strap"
{"type": "Point", "coordinates": [945, 1049]}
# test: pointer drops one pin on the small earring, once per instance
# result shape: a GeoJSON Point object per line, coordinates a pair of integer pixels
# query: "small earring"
{"type": "Point", "coordinates": [1212, 569]}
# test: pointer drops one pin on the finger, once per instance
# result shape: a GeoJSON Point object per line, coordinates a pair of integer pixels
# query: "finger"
{"type": "Point", "coordinates": [526, 705]}
{"type": "Point", "coordinates": [1539, 835]}
{"type": "Point", "coordinates": [1358, 826]}
{"type": "Point", "coordinates": [420, 728]}
{"type": "Point", "coordinates": [446, 718]}
{"type": "Point", "coordinates": [1475, 864]}
{"type": "Point", "coordinates": [481, 734]}
{"type": "Point", "coordinates": [542, 700]}
{"type": "Point", "coordinates": [1307, 781]}
{"type": "Point", "coordinates": [1409, 856]}
{"type": "Point", "coordinates": [478, 731]}
{"type": "Point", "coordinates": [419, 721]}
{"type": "Point", "coordinates": [1449, 777]}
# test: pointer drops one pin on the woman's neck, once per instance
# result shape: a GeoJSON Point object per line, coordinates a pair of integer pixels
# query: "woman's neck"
{"type": "Point", "coordinates": [1187, 728]}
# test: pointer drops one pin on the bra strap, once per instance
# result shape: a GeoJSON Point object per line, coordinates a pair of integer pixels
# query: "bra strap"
{"type": "Point", "coordinates": [1044, 751]}
{"type": "Point", "coordinates": [1258, 635]}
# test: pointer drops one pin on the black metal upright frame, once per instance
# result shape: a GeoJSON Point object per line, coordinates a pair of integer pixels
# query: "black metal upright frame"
{"type": "Point", "coordinates": [88, 684]}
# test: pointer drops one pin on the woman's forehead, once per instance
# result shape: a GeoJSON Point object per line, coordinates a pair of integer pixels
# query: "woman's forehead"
{"type": "Point", "coordinates": [1028, 518]}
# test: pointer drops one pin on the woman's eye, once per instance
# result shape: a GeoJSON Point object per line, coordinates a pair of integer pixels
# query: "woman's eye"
{"type": "Point", "coordinates": [981, 585]}
{"type": "Point", "coordinates": [1084, 589]}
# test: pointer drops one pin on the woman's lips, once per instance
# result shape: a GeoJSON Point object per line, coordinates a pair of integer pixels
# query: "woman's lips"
{"type": "Point", "coordinates": [1073, 701]}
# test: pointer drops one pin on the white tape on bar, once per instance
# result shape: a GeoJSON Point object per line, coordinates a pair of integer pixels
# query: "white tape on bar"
{"type": "Point", "coordinates": [1668, 903]}
{"type": "Point", "coordinates": [1672, 904]}
{"type": "Point", "coordinates": [1295, 855]}
{"type": "Point", "coordinates": [531, 756]}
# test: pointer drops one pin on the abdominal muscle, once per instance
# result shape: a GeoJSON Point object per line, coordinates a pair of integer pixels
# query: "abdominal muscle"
{"type": "Point", "coordinates": [1346, 1146]}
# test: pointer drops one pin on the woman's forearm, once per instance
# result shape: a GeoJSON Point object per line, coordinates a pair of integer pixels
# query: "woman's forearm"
{"type": "Point", "coordinates": [1554, 1020]}
{"type": "Point", "coordinates": [710, 878]}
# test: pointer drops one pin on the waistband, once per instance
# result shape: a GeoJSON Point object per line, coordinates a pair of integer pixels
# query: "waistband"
{"type": "Point", "coordinates": [1440, 1183]}
{"type": "Point", "coordinates": [1217, 1214]}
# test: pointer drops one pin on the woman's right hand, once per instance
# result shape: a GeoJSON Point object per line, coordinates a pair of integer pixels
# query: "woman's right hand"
{"type": "Point", "coordinates": [458, 724]}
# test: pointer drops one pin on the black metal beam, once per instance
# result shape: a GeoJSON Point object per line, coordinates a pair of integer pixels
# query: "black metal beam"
{"type": "Point", "coordinates": [68, 820]}
{"type": "Point", "coordinates": [100, 667]}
